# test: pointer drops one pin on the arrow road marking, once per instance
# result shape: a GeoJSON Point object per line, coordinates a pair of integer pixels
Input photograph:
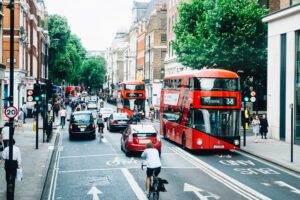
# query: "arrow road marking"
{"type": "Point", "coordinates": [94, 191]}
{"type": "Point", "coordinates": [283, 184]}
{"type": "Point", "coordinates": [190, 188]}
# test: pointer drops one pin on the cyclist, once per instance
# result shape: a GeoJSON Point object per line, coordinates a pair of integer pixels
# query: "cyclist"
{"type": "Point", "coordinates": [100, 123]}
{"type": "Point", "coordinates": [152, 158]}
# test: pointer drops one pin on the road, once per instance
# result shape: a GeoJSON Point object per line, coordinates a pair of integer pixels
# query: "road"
{"type": "Point", "coordinates": [87, 169]}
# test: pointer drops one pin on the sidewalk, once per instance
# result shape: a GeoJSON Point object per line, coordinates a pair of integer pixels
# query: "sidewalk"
{"type": "Point", "coordinates": [35, 163]}
{"type": "Point", "coordinates": [274, 151]}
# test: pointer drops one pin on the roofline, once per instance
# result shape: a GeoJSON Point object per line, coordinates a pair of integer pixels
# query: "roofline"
{"type": "Point", "coordinates": [204, 73]}
{"type": "Point", "coordinates": [282, 13]}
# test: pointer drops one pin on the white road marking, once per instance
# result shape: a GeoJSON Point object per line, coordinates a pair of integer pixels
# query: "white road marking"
{"type": "Point", "coordinates": [104, 140]}
{"type": "Point", "coordinates": [191, 188]}
{"type": "Point", "coordinates": [269, 164]}
{"type": "Point", "coordinates": [94, 191]}
{"type": "Point", "coordinates": [118, 168]}
{"type": "Point", "coordinates": [134, 185]}
{"type": "Point", "coordinates": [283, 184]}
{"type": "Point", "coordinates": [231, 183]}
{"type": "Point", "coordinates": [85, 156]}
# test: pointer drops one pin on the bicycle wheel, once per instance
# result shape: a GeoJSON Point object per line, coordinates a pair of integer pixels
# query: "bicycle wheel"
{"type": "Point", "coordinates": [155, 195]}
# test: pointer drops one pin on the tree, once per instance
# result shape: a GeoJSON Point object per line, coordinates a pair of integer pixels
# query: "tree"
{"type": "Point", "coordinates": [93, 72]}
{"type": "Point", "coordinates": [66, 52]}
{"type": "Point", "coordinates": [227, 34]}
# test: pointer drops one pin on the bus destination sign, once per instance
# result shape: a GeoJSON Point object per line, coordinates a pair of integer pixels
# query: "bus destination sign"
{"type": "Point", "coordinates": [134, 94]}
{"type": "Point", "coordinates": [218, 101]}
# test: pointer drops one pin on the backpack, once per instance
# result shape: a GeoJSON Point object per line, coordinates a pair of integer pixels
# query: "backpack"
{"type": "Point", "coordinates": [100, 121]}
{"type": "Point", "coordinates": [161, 185]}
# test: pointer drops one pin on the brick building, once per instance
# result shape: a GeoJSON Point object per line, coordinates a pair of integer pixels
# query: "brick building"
{"type": "Point", "coordinates": [31, 47]}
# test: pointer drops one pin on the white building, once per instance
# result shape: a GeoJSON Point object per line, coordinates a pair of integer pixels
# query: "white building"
{"type": "Point", "coordinates": [284, 71]}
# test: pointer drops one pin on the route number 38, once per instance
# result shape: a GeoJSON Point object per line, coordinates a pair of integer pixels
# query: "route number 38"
{"type": "Point", "coordinates": [11, 112]}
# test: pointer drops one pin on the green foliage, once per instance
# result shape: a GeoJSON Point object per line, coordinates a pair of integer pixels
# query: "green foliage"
{"type": "Point", "coordinates": [66, 51]}
{"type": "Point", "coordinates": [93, 72]}
{"type": "Point", "coordinates": [227, 34]}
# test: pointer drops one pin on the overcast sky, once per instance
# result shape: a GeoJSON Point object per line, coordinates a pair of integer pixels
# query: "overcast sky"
{"type": "Point", "coordinates": [94, 21]}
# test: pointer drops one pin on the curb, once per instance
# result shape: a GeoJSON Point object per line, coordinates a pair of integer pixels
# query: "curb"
{"type": "Point", "coordinates": [283, 165]}
{"type": "Point", "coordinates": [48, 162]}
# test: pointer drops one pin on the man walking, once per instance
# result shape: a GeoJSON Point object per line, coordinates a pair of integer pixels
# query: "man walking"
{"type": "Point", "coordinates": [11, 167]}
{"type": "Point", "coordinates": [63, 115]}
{"type": "Point", "coordinates": [24, 108]}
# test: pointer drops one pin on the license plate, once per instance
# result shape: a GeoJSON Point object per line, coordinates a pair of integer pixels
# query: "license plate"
{"type": "Point", "coordinates": [218, 146]}
{"type": "Point", "coordinates": [122, 122]}
{"type": "Point", "coordinates": [144, 141]}
{"type": "Point", "coordinates": [82, 129]}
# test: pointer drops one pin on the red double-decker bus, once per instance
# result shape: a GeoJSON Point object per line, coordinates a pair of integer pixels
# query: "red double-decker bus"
{"type": "Point", "coordinates": [201, 110]}
{"type": "Point", "coordinates": [131, 96]}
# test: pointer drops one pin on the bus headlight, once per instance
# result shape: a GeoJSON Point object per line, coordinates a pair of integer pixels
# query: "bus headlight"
{"type": "Point", "coordinates": [236, 142]}
{"type": "Point", "coordinates": [199, 142]}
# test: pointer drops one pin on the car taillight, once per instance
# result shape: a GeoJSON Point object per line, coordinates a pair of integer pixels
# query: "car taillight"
{"type": "Point", "coordinates": [113, 122]}
{"type": "Point", "coordinates": [93, 126]}
{"type": "Point", "coordinates": [130, 138]}
{"type": "Point", "coordinates": [71, 127]}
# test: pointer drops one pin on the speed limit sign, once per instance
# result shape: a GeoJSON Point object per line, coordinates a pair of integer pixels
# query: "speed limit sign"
{"type": "Point", "coordinates": [11, 112]}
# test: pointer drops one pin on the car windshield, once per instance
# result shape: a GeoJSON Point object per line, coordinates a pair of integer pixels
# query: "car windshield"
{"type": "Point", "coordinates": [92, 102]}
{"type": "Point", "coordinates": [134, 87]}
{"type": "Point", "coordinates": [213, 84]}
{"type": "Point", "coordinates": [106, 110]}
{"type": "Point", "coordinates": [215, 122]}
{"type": "Point", "coordinates": [81, 118]}
{"type": "Point", "coordinates": [118, 117]}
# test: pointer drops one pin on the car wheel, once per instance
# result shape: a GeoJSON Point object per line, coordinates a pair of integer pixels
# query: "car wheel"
{"type": "Point", "coordinates": [183, 144]}
{"type": "Point", "coordinates": [122, 149]}
{"type": "Point", "coordinates": [159, 152]}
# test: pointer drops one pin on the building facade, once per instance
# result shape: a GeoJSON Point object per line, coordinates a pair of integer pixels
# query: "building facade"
{"type": "Point", "coordinates": [283, 69]}
{"type": "Point", "coordinates": [31, 43]}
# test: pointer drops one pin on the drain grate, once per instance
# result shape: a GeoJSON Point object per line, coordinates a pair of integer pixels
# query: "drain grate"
{"type": "Point", "coordinates": [101, 180]}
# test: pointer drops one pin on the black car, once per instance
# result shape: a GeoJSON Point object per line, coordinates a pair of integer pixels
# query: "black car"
{"type": "Point", "coordinates": [117, 121]}
{"type": "Point", "coordinates": [82, 123]}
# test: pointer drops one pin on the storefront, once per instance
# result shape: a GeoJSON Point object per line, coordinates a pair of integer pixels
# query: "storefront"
{"type": "Point", "coordinates": [283, 90]}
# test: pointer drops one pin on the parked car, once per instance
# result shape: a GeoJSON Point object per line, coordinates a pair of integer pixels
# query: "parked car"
{"type": "Point", "coordinates": [92, 105]}
{"type": "Point", "coordinates": [117, 121]}
{"type": "Point", "coordinates": [82, 123]}
{"type": "Point", "coordinates": [135, 137]}
{"type": "Point", "coordinates": [106, 112]}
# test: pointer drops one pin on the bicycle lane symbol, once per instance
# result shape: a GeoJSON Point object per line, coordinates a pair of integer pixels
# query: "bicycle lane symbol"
{"type": "Point", "coordinates": [118, 161]}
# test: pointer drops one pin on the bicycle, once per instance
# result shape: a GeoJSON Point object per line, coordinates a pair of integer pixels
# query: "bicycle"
{"type": "Point", "coordinates": [154, 186]}
{"type": "Point", "coordinates": [100, 131]}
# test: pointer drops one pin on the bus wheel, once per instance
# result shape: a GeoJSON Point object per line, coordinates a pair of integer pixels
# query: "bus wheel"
{"type": "Point", "coordinates": [183, 141]}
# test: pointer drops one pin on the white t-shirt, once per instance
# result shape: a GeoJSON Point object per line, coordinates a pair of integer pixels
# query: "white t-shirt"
{"type": "Point", "coordinates": [63, 113]}
{"type": "Point", "coordinates": [152, 157]}
{"type": "Point", "coordinates": [5, 132]}
{"type": "Point", "coordinates": [16, 154]}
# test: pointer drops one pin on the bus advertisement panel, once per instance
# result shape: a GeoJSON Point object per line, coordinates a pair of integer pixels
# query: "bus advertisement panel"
{"type": "Point", "coordinates": [201, 110]}
{"type": "Point", "coordinates": [131, 97]}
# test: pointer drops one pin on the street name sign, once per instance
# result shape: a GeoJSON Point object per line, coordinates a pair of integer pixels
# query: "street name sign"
{"type": "Point", "coordinates": [11, 112]}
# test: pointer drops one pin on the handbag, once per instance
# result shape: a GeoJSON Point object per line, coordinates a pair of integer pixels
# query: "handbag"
{"type": "Point", "coordinates": [19, 174]}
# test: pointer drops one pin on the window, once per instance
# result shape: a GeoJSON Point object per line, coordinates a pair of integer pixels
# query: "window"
{"type": "Point", "coordinates": [173, 115]}
{"type": "Point", "coordinates": [163, 37]}
{"type": "Point", "coordinates": [134, 87]}
{"type": "Point", "coordinates": [215, 84]}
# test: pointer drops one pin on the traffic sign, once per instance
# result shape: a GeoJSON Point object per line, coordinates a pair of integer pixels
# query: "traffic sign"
{"type": "Point", "coordinates": [252, 99]}
{"type": "Point", "coordinates": [29, 98]}
{"type": "Point", "coordinates": [11, 112]}
{"type": "Point", "coordinates": [253, 93]}
{"type": "Point", "coordinates": [29, 92]}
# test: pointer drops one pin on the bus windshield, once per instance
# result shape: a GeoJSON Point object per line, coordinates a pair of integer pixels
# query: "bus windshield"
{"type": "Point", "coordinates": [218, 84]}
{"type": "Point", "coordinates": [134, 87]}
{"type": "Point", "coordinates": [219, 123]}
{"type": "Point", "coordinates": [134, 104]}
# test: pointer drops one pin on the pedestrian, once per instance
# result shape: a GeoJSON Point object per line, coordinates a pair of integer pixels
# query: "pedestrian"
{"type": "Point", "coordinates": [56, 107]}
{"type": "Point", "coordinates": [11, 167]}
{"type": "Point", "coordinates": [264, 125]}
{"type": "Point", "coordinates": [24, 108]}
{"type": "Point", "coordinates": [255, 125]}
{"type": "Point", "coordinates": [5, 134]}
{"type": "Point", "coordinates": [63, 115]}
{"type": "Point", "coordinates": [21, 118]}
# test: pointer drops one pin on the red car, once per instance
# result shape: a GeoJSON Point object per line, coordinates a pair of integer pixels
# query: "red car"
{"type": "Point", "coordinates": [136, 136]}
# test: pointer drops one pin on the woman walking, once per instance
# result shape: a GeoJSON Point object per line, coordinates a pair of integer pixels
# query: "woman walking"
{"type": "Point", "coordinates": [256, 126]}
{"type": "Point", "coordinates": [264, 127]}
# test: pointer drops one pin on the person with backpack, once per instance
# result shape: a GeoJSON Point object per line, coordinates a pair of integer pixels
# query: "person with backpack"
{"type": "Point", "coordinates": [100, 123]}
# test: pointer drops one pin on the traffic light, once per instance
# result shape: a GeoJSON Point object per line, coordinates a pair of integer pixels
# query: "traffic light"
{"type": "Point", "coordinates": [246, 94]}
{"type": "Point", "coordinates": [36, 92]}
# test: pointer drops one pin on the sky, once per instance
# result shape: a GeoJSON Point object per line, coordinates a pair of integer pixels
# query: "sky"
{"type": "Point", "coordinates": [94, 21]}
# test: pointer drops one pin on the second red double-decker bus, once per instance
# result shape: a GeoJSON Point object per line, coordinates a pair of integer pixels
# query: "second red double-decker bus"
{"type": "Point", "coordinates": [131, 97]}
{"type": "Point", "coordinates": [201, 110]}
